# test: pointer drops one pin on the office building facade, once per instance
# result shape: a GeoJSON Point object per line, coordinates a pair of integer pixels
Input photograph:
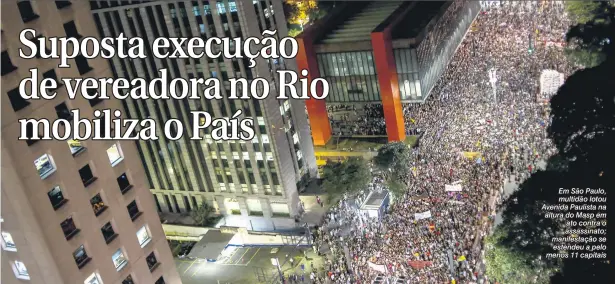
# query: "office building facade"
{"type": "Point", "coordinates": [383, 53]}
{"type": "Point", "coordinates": [253, 184]}
{"type": "Point", "coordinates": [72, 211]}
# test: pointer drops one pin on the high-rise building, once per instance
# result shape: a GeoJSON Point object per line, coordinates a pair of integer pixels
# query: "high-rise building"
{"type": "Point", "coordinates": [72, 211]}
{"type": "Point", "coordinates": [254, 184]}
{"type": "Point", "coordinates": [377, 56]}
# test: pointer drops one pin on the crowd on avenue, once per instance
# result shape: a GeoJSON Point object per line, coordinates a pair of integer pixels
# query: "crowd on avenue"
{"type": "Point", "coordinates": [469, 140]}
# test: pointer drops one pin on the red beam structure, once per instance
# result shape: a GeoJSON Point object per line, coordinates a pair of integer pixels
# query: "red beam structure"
{"type": "Point", "coordinates": [317, 109]}
{"type": "Point", "coordinates": [389, 86]}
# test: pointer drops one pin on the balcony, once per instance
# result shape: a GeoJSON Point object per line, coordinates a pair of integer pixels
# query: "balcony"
{"type": "Point", "coordinates": [133, 210]}
{"type": "Point", "coordinates": [152, 262]}
{"type": "Point", "coordinates": [69, 228]}
{"type": "Point", "coordinates": [56, 198]}
{"type": "Point", "coordinates": [98, 205]}
{"type": "Point", "coordinates": [81, 257]}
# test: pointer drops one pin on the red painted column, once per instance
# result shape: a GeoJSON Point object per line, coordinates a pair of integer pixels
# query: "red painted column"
{"type": "Point", "coordinates": [317, 109]}
{"type": "Point", "coordinates": [389, 85]}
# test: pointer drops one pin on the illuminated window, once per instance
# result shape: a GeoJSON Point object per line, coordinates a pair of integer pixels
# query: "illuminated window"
{"type": "Point", "coordinates": [20, 270]}
{"type": "Point", "coordinates": [119, 260]}
{"type": "Point", "coordinates": [7, 242]}
{"type": "Point", "coordinates": [75, 147]}
{"type": "Point", "coordinates": [93, 279]}
{"type": "Point", "coordinates": [143, 236]}
{"type": "Point", "coordinates": [44, 166]}
{"type": "Point", "coordinates": [115, 155]}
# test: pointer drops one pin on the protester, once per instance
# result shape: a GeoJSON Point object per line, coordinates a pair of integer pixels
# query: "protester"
{"type": "Point", "coordinates": [468, 138]}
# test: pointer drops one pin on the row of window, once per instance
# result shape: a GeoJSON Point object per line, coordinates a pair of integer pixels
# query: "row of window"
{"type": "Point", "coordinates": [46, 167]}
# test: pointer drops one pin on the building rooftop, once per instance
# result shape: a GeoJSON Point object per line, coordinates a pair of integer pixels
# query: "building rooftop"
{"type": "Point", "coordinates": [417, 19]}
{"type": "Point", "coordinates": [359, 26]}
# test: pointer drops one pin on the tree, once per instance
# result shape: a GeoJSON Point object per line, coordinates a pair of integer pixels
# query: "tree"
{"type": "Point", "coordinates": [583, 116]}
{"type": "Point", "coordinates": [347, 177]}
{"type": "Point", "coordinates": [590, 40]}
{"type": "Point", "coordinates": [394, 162]}
{"type": "Point", "coordinates": [504, 264]}
{"type": "Point", "coordinates": [202, 214]}
{"type": "Point", "coordinates": [582, 11]}
{"type": "Point", "coordinates": [294, 32]}
{"type": "Point", "coordinates": [300, 11]}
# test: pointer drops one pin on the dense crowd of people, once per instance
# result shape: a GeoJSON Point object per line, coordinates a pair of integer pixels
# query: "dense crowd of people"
{"type": "Point", "coordinates": [356, 120]}
{"type": "Point", "coordinates": [468, 138]}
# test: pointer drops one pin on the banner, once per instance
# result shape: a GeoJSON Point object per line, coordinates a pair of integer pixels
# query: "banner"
{"type": "Point", "coordinates": [419, 264]}
{"type": "Point", "coordinates": [377, 267]}
{"type": "Point", "coordinates": [424, 215]}
{"type": "Point", "coordinates": [452, 187]}
{"type": "Point", "coordinates": [456, 202]}
{"type": "Point", "coordinates": [471, 155]}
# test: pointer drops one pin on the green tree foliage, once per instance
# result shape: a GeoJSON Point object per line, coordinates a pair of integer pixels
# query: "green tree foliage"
{"type": "Point", "coordinates": [202, 215]}
{"type": "Point", "coordinates": [506, 265]}
{"type": "Point", "coordinates": [394, 161]}
{"type": "Point", "coordinates": [582, 11]}
{"type": "Point", "coordinates": [294, 32]}
{"type": "Point", "coordinates": [347, 177]}
{"type": "Point", "coordinates": [591, 39]}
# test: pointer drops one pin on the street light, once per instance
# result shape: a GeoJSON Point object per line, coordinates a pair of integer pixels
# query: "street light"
{"type": "Point", "coordinates": [276, 262]}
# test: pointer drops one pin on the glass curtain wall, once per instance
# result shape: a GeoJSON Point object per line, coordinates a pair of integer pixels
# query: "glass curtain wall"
{"type": "Point", "coordinates": [351, 76]}
{"type": "Point", "coordinates": [408, 74]}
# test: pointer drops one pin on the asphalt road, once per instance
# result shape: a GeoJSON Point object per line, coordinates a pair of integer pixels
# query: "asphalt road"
{"type": "Point", "coordinates": [248, 265]}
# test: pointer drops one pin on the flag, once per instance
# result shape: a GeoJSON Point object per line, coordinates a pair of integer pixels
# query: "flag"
{"type": "Point", "coordinates": [461, 258]}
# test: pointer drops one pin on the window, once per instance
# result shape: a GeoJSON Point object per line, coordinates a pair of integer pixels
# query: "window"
{"type": "Point", "coordinates": [44, 166]}
{"type": "Point", "coordinates": [128, 280]}
{"type": "Point", "coordinates": [98, 205]}
{"type": "Point", "coordinates": [108, 232]}
{"type": "Point", "coordinates": [81, 257]}
{"type": "Point", "coordinates": [71, 30]}
{"type": "Point", "coordinates": [17, 102]}
{"type": "Point", "coordinates": [51, 74]}
{"type": "Point", "coordinates": [30, 134]}
{"type": "Point", "coordinates": [95, 100]}
{"type": "Point", "coordinates": [62, 4]}
{"type": "Point", "coordinates": [119, 260]}
{"type": "Point", "coordinates": [75, 147]}
{"type": "Point", "coordinates": [56, 197]}
{"type": "Point", "coordinates": [133, 210]}
{"type": "Point", "coordinates": [63, 112]}
{"type": "Point", "coordinates": [7, 65]}
{"type": "Point", "coordinates": [26, 11]}
{"type": "Point", "coordinates": [20, 270]}
{"type": "Point", "coordinates": [69, 228]}
{"type": "Point", "coordinates": [7, 242]}
{"type": "Point", "coordinates": [152, 262]}
{"type": "Point", "coordinates": [87, 177]}
{"type": "Point", "coordinates": [115, 155]}
{"type": "Point", "coordinates": [160, 281]}
{"type": "Point", "coordinates": [93, 279]}
{"type": "Point", "coordinates": [124, 183]}
{"type": "Point", "coordinates": [82, 64]}
{"type": "Point", "coordinates": [143, 236]}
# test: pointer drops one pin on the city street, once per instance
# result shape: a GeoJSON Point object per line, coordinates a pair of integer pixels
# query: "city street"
{"type": "Point", "coordinates": [245, 265]}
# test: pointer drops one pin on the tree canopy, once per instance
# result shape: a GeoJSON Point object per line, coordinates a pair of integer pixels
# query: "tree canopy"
{"type": "Point", "coordinates": [590, 39]}
{"type": "Point", "coordinates": [347, 177]}
{"type": "Point", "coordinates": [202, 215]}
{"type": "Point", "coordinates": [394, 160]}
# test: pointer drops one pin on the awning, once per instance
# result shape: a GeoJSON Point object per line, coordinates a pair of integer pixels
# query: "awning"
{"type": "Point", "coordinates": [211, 245]}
